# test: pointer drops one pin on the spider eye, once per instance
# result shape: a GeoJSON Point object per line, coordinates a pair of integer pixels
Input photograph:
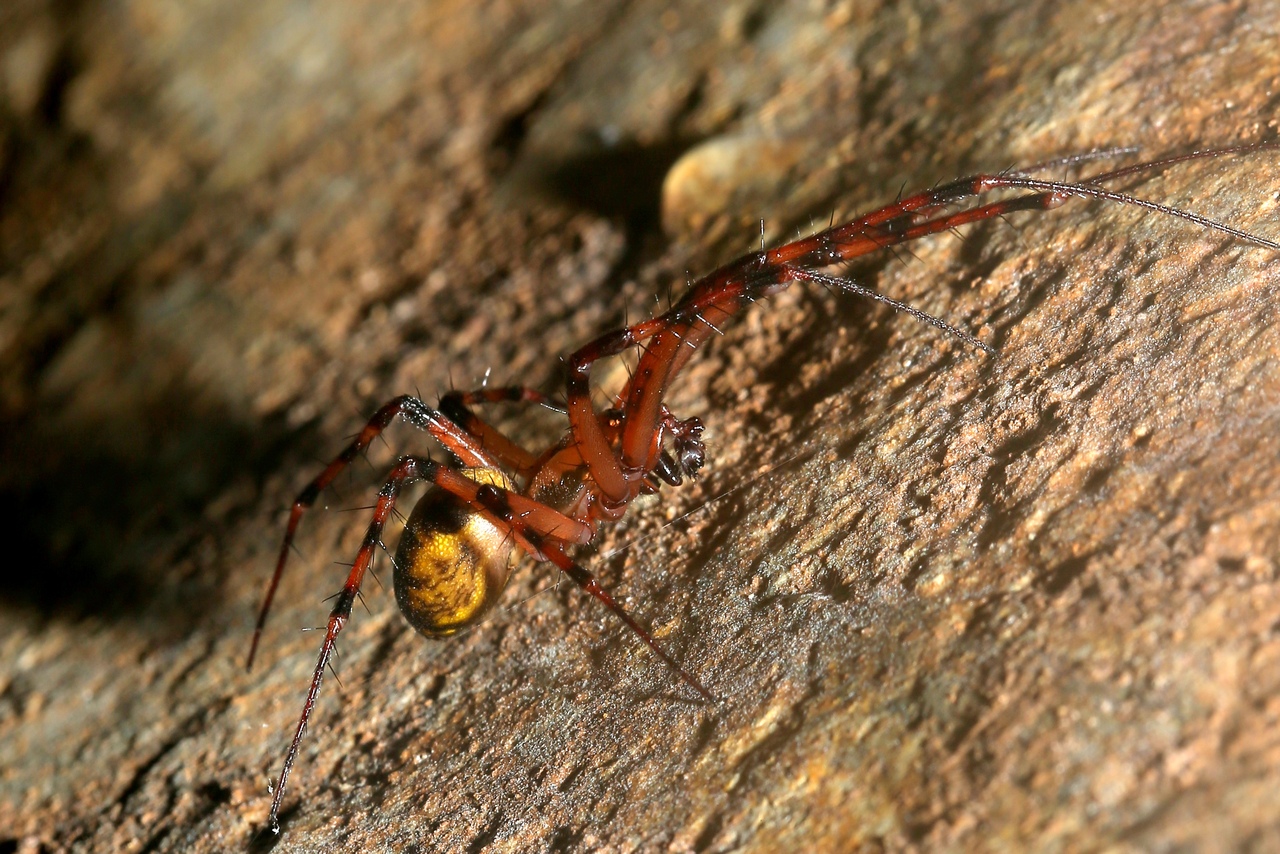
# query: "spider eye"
{"type": "Point", "coordinates": [452, 563]}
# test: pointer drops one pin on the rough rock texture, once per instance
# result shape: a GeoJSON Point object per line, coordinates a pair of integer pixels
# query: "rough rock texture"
{"type": "Point", "coordinates": [948, 601]}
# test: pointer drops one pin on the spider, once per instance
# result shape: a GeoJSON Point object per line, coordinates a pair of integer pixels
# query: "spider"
{"type": "Point", "coordinates": [453, 559]}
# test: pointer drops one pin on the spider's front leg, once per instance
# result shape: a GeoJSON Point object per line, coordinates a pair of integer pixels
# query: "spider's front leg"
{"type": "Point", "coordinates": [670, 339]}
{"type": "Point", "coordinates": [620, 462]}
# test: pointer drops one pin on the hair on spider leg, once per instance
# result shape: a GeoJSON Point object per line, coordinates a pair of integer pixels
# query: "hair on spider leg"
{"type": "Point", "coordinates": [701, 318]}
{"type": "Point", "coordinates": [333, 670]}
{"type": "Point", "coordinates": [494, 497]}
{"type": "Point", "coordinates": [355, 508]}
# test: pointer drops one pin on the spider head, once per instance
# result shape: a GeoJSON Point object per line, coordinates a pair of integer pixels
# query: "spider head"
{"type": "Point", "coordinates": [452, 563]}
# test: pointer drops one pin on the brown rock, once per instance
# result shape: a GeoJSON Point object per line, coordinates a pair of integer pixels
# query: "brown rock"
{"type": "Point", "coordinates": [949, 601]}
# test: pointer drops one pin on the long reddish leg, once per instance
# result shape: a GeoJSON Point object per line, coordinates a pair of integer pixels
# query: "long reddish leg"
{"type": "Point", "coordinates": [717, 297]}
{"type": "Point", "coordinates": [914, 217]}
{"type": "Point", "coordinates": [501, 394]}
{"type": "Point", "coordinates": [501, 505]}
{"type": "Point", "coordinates": [588, 582]}
{"type": "Point", "coordinates": [417, 413]}
{"type": "Point", "coordinates": [594, 446]}
{"type": "Point", "coordinates": [618, 483]}
{"type": "Point", "coordinates": [407, 470]}
{"type": "Point", "coordinates": [456, 405]}
{"type": "Point", "coordinates": [671, 339]}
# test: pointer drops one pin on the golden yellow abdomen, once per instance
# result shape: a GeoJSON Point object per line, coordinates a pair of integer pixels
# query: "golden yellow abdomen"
{"type": "Point", "coordinates": [452, 563]}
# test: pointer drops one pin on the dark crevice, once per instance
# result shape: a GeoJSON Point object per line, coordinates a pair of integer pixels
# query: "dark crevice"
{"type": "Point", "coordinates": [63, 70]}
{"type": "Point", "coordinates": [508, 139]}
{"type": "Point", "coordinates": [486, 836]}
{"type": "Point", "coordinates": [714, 825]}
{"type": "Point", "coordinates": [622, 181]}
{"type": "Point", "coordinates": [919, 566]}
{"type": "Point", "coordinates": [1060, 577]}
{"type": "Point", "coordinates": [565, 839]}
{"type": "Point", "coordinates": [753, 23]}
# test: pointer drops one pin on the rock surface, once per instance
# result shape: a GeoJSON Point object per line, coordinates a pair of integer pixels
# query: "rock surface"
{"type": "Point", "coordinates": [947, 601]}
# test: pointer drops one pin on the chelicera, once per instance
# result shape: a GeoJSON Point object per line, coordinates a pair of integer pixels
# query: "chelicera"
{"type": "Point", "coordinates": [453, 559]}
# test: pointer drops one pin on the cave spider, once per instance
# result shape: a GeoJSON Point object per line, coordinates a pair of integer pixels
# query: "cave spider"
{"type": "Point", "coordinates": [452, 562]}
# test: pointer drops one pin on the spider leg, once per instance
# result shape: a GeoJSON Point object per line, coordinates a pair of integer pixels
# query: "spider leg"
{"type": "Point", "coordinates": [615, 487]}
{"type": "Point", "coordinates": [588, 582]}
{"type": "Point", "coordinates": [619, 476]}
{"type": "Point", "coordinates": [524, 515]}
{"type": "Point", "coordinates": [1162, 163]}
{"type": "Point", "coordinates": [454, 437]}
{"type": "Point", "coordinates": [849, 286]}
{"type": "Point", "coordinates": [407, 470]}
{"type": "Point", "coordinates": [673, 336]}
{"type": "Point", "coordinates": [909, 218]}
{"type": "Point", "coordinates": [457, 405]}
{"type": "Point", "coordinates": [704, 311]}
{"type": "Point", "coordinates": [502, 394]}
